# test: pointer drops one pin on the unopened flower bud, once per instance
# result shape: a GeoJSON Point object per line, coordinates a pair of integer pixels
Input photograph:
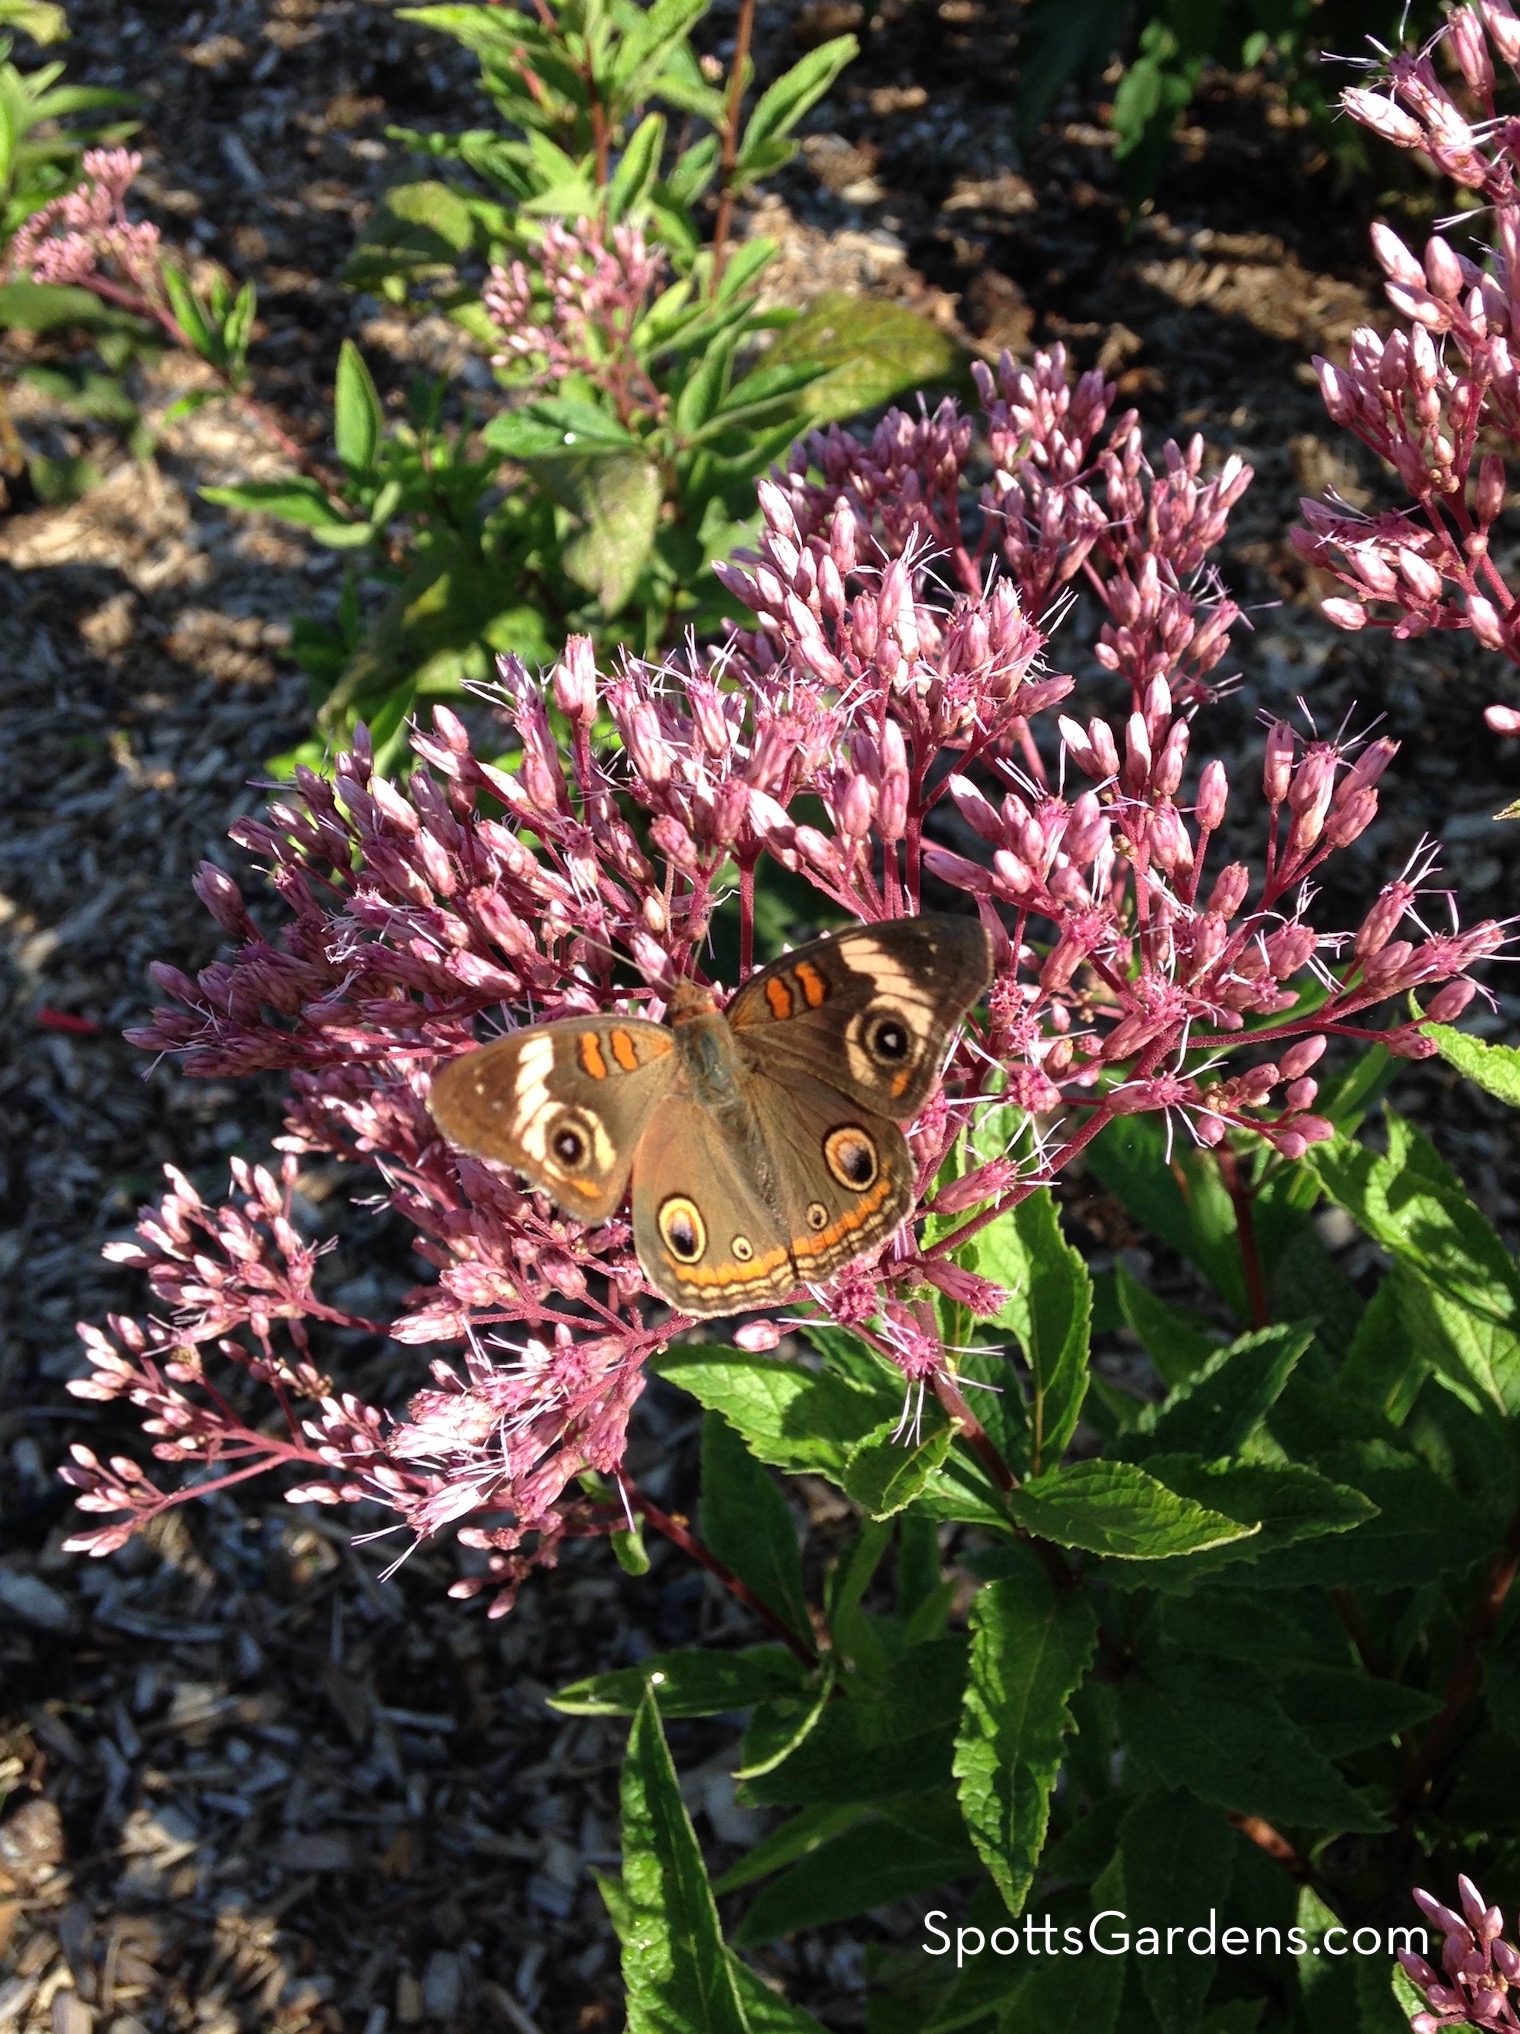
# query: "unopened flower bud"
{"type": "Point", "coordinates": [1483, 619]}
{"type": "Point", "coordinates": [1349, 615]}
{"type": "Point", "coordinates": [1213, 796]}
{"type": "Point", "coordinates": [1231, 887]}
{"type": "Point", "coordinates": [1300, 1094]}
{"type": "Point", "coordinates": [1298, 1059]}
{"type": "Point", "coordinates": [1448, 1002]}
{"type": "Point", "coordinates": [1382, 921]}
{"type": "Point", "coordinates": [855, 807]}
{"type": "Point", "coordinates": [1277, 763]}
{"type": "Point", "coordinates": [575, 680]}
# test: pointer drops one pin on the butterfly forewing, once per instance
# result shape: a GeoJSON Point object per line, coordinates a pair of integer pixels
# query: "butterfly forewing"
{"type": "Point", "coordinates": [564, 1103]}
{"type": "Point", "coordinates": [869, 1011]}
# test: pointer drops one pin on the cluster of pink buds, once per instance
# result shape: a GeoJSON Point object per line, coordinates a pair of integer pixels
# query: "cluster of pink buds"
{"type": "Point", "coordinates": [872, 732]}
{"type": "Point", "coordinates": [1426, 398]}
{"type": "Point", "coordinates": [1479, 1971]}
{"type": "Point", "coordinates": [1061, 511]}
{"type": "Point", "coordinates": [574, 310]}
{"type": "Point", "coordinates": [85, 237]}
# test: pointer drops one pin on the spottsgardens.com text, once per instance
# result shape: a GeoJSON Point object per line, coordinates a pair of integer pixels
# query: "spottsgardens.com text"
{"type": "Point", "coordinates": [1110, 1934]}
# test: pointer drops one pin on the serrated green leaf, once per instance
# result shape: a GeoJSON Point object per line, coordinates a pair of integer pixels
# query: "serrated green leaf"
{"type": "Point", "coordinates": [869, 351]}
{"type": "Point", "coordinates": [1175, 1346]}
{"type": "Point", "coordinates": [358, 420]}
{"type": "Point", "coordinates": [1031, 1643]}
{"type": "Point", "coordinates": [886, 1857]}
{"type": "Point", "coordinates": [1283, 1503]}
{"type": "Point", "coordinates": [1214, 1733]}
{"type": "Point", "coordinates": [1049, 1309]}
{"type": "Point", "coordinates": [873, 1743]}
{"type": "Point", "coordinates": [638, 168]}
{"type": "Point", "coordinates": [1219, 1408]}
{"type": "Point", "coordinates": [766, 2011]}
{"type": "Point", "coordinates": [1494, 1067]}
{"type": "Point", "coordinates": [1185, 1203]}
{"type": "Point", "coordinates": [791, 1417]}
{"type": "Point", "coordinates": [1342, 1710]}
{"type": "Point", "coordinates": [884, 1475]}
{"type": "Point", "coordinates": [1116, 1508]}
{"type": "Point", "coordinates": [675, 1967]}
{"type": "Point", "coordinates": [798, 1837]}
{"type": "Point", "coordinates": [618, 503]}
{"type": "Point", "coordinates": [1068, 1995]}
{"type": "Point", "coordinates": [1177, 1856]}
{"type": "Point", "coordinates": [784, 103]}
{"type": "Point", "coordinates": [692, 1682]}
{"type": "Point", "coordinates": [747, 1523]}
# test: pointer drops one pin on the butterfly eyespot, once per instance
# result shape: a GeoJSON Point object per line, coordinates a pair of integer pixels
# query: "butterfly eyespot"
{"type": "Point", "coordinates": [889, 1039]}
{"type": "Point", "coordinates": [851, 1157]}
{"type": "Point", "coordinates": [682, 1229]}
{"type": "Point", "coordinates": [817, 1215]}
{"type": "Point", "coordinates": [570, 1145]}
{"type": "Point", "coordinates": [743, 1249]}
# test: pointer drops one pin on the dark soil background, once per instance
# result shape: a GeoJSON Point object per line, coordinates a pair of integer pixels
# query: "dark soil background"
{"type": "Point", "coordinates": [250, 1786]}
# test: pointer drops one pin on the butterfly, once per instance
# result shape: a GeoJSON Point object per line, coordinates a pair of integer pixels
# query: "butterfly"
{"type": "Point", "coordinates": [761, 1141]}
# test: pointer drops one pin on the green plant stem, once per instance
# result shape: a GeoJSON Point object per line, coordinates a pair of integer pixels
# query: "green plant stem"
{"type": "Point", "coordinates": [730, 154]}
{"type": "Point", "coordinates": [679, 1534]}
{"type": "Point", "coordinates": [1241, 1199]}
{"type": "Point", "coordinates": [1464, 1676]}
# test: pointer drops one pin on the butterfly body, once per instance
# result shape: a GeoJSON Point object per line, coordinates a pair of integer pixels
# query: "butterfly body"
{"type": "Point", "coordinates": [761, 1142]}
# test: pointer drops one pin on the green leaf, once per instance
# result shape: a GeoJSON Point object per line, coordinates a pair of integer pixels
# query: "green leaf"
{"type": "Point", "coordinates": [54, 307]}
{"type": "Point", "coordinates": [1412, 1204]}
{"type": "Point", "coordinates": [556, 430]}
{"type": "Point", "coordinates": [884, 1475]}
{"type": "Point", "coordinates": [790, 1416]}
{"type": "Point", "coordinates": [1069, 1994]}
{"type": "Point", "coordinates": [1175, 1346]}
{"type": "Point", "coordinates": [637, 171]}
{"type": "Point", "coordinates": [1225, 1738]}
{"type": "Point", "coordinates": [1116, 1508]}
{"type": "Point", "coordinates": [869, 350]}
{"type": "Point", "coordinates": [887, 1857]}
{"type": "Point", "coordinates": [765, 2011]}
{"type": "Point", "coordinates": [1383, 1368]}
{"type": "Point", "coordinates": [1280, 1503]}
{"type": "Point", "coordinates": [1031, 1643]}
{"type": "Point", "coordinates": [779, 109]}
{"type": "Point", "coordinates": [1185, 1203]}
{"type": "Point", "coordinates": [1495, 1068]}
{"type": "Point", "coordinates": [296, 500]}
{"type": "Point", "coordinates": [618, 503]}
{"type": "Point", "coordinates": [1343, 1710]}
{"type": "Point", "coordinates": [359, 421]}
{"type": "Point", "coordinates": [675, 1967]}
{"type": "Point", "coordinates": [1177, 1856]}
{"type": "Point", "coordinates": [1219, 1408]}
{"type": "Point", "coordinates": [796, 1838]}
{"type": "Point", "coordinates": [747, 1523]}
{"type": "Point", "coordinates": [188, 314]}
{"type": "Point", "coordinates": [696, 1681]}
{"type": "Point", "coordinates": [869, 1746]}
{"type": "Point", "coordinates": [1050, 1311]}
{"type": "Point", "coordinates": [40, 19]}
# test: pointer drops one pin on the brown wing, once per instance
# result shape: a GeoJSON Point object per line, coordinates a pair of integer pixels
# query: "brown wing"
{"type": "Point", "coordinates": [869, 1010]}
{"type": "Point", "coordinates": [703, 1231]}
{"type": "Point", "coordinates": [564, 1103]}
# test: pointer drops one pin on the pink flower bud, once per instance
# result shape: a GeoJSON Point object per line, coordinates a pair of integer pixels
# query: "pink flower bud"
{"type": "Point", "coordinates": [1277, 764]}
{"type": "Point", "coordinates": [1465, 33]}
{"type": "Point", "coordinates": [1448, 1003]}
{"type": "Point", "coordinates": [855, 807]}
{"type": "Point", "coordinates": [1299, 1094]}
{"type": "Point", "coordinates": [1230, 890]}
{"type": "Point", "coordinates": [777, 511]}
{"type": "Point", "coordinates": [575, 681]}
{"type": "Point", "coordinates": [1337, 391]}
{"type": "Point", "coordinates": [757, 1336]}
{"type": "Point", "coordinates": [1394, 258]}
{"type": "Point", "coordinates": [1167, 774]}
{"type": "Point", "coordinates": [1483, 619]}
{"type": "Point", "coordinates": [1349, 615]}
{"type": "Point", "coordinates": [1298, 1059]}
{"type": "Point", "coordinates": [1350, 819]}
{"type": "Point", "coordinates": [1421, 577]}
{"type": "Point", "coordinates": [1210, 1129]}
{"type": "Point", "coordinates": [1503, 27]}
{"type": "Point", "coordinates": [1100, 738]}
{"type": "Point", "coordinates": [1213, 796]}
{"type": "Point", "coordinates": [1015, 878]}
{"type": "Point", "coordinates": [1383, 117]}
{"type": "Point", "coordinates": [1382, 921]}
{"type": "Point", "coordinates": [1383, 971]}
{"type": "Point", "coordinates": [1488, 497]}
{"type": "Point", "coordinates": [1504, 720]}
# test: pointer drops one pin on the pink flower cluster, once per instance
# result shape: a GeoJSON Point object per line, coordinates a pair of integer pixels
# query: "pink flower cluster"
{"type": "Point", "coordinates": [1479, 1969]}
{"type": "Point", "coordinates": [1429, 397]}
{"type": "Point", "coordinates": [574, 311]}
{"type": "Point", "coordinates": [85, 237]}
{"type": "Point", "coordinates": [878, 734]}
{"type": "Point", "coordinates": [1058, 510]}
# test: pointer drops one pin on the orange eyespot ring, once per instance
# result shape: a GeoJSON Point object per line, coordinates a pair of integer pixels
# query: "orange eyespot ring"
{"type": "Point", "coordinates": [851, 1157]}
{"type": "Point", "coordinates": [682, 1229]}
{"type": "Point", "coordinates": [743, 1249]}
{"type": "Point", "coordinates": [817, 1215]}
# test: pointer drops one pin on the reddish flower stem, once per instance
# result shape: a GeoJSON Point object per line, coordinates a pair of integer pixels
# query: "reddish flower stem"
{"type": "Point", "coordinates": [730, 155]}
{"type": "Point", "coordinates": [1241, 1200]}
{"type": "Point", "coordinates": [680, 1535]}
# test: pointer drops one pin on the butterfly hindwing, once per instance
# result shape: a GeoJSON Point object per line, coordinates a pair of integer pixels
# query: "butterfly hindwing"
{"type": "Point", "coordinates": [869, 1010]}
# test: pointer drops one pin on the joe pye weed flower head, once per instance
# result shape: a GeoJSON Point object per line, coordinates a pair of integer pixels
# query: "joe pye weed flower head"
{"type": "Point", "coordinates": [887, 718]}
